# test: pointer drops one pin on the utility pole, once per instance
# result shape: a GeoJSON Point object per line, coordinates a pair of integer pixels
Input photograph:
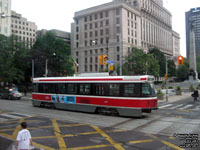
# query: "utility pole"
{"type": "Point", "coordinates": [32, 69]}
{"type": "Point", "coordinates": [120, 56]}
{"type": "Point", "coordinates": [166, 80]}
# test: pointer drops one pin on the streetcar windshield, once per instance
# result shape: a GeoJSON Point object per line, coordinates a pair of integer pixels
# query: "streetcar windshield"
{"type": "Point", "coordinates": [147, 90]}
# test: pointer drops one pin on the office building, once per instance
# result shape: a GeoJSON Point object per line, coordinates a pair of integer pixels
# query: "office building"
{"type": "Point", "coordinates": [66, 36]}
{"type": "Point", "coordinates": [23, 29]}
{"type": "Point", "coordinates": [114, 28]}
{"type": "Point", "coordinates": [5, 17]}
{"type": "Point", "coordinates": [193, 16]}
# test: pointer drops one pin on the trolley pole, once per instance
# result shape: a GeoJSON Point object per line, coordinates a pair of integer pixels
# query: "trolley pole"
{"type": "Point", "coordinates": [32, 69]}
{"type": "Point", "coordinates": [166, 80]}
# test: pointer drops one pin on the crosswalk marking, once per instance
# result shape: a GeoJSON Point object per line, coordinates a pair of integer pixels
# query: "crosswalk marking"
{"type": "Point", "coordinates": [177, 106]}
{"type": "Point", "coordinates": [164, 106]}
{"type": "Point", "coordinates": [12, 115]}
{"type": "Point", "coordinates": [187, 106]}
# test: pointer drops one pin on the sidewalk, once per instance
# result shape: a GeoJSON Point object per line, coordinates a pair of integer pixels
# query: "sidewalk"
{"type": "Point", "coordinates": [174, 98]}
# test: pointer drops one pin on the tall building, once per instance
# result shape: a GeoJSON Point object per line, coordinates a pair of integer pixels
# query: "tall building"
{"type": "Point", "coordinates": [193, 16]}
{"type": "Point", "coordinates": [66, 36]}
{"type": "Point", "coordinates": [114, 28]}
{"type": "Point", "coordinates": [5, 17]}
{"type": "Point", "coordinates": [23, 29]}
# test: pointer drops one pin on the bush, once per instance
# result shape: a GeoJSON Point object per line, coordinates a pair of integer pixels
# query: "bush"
{"type": "Point", "coordinates": [171, 87]}
{"type": "Point", "coordinates": [178, 88]}
{"type": "Point", "coordinates": [191, 88]}
{"type": "Point", "coordinates": [159, 92]}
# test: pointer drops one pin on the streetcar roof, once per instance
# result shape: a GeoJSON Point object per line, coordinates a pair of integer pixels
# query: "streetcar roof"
{"type": "Point", "coordinates": [143, 78]}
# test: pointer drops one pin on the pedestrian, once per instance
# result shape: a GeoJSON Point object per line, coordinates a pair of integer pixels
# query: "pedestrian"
{"type": "Point", "coordinates": [23, 140]}
{"type": "Point", "coordinates": [195, 94]}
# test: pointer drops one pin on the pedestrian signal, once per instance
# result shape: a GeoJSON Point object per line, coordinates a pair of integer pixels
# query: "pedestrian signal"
{"type": "Point", "coordinates": [105, 58]}
{"type": "Point", "coordinates": [180, 60]}
{"type": "Point", "coordinates": [166, 76]}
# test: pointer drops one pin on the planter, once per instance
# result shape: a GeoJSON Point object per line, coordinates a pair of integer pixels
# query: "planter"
{"type": "Point", "coordinates": [160, 97]}
{"type": "Point", "coordinates": [178, 92]}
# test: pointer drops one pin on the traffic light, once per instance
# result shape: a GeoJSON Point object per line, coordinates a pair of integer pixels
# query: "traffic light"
{"type": "Point", "coordinates": [105, 58]}
{"type": "Point", "coordinates": [166, 76]}
{"type": "Point", "coordinates": [180, 60]}
{"type": "Point", "coordinates": [101, 60]}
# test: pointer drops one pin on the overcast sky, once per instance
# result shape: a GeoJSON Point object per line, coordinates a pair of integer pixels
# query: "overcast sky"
{"type": "Point", "coordinates": [58, 14]}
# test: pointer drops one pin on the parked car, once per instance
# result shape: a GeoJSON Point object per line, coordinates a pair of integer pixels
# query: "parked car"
{"type": "Point", "coordinates": [11, 94]}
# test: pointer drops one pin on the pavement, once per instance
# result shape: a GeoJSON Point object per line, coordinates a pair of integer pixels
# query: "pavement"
{"type": "Point", "coordinates": [7, 144]}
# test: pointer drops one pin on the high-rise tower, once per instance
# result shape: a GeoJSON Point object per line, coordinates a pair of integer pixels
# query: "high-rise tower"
{"type": "Point", "coordinates": [5, 17]}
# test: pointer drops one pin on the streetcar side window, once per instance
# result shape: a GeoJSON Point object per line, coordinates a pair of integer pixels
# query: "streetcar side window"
{"type": "Point", "coordinates": [35, 87]}
{"type": "Point", "coordinates": [62, 88]}
{"type": "Point", "coordinates": [85, 89]}
{"type": "Point", "coordinates": [99, 89]}
{"type": "Point", "coordinates": [129, 90]}
{"type": "Point", "coordinates": [71, 88]}
{"type": "Point", "coordinates": [113, 89]}
{"type": "Point", "coordinates": [43, 88]}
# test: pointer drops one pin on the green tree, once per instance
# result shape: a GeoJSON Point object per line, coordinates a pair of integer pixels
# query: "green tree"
{"type": "Point", "coordinates": [160, 57]}
{"type": "Point", "coordinates": [13, 60]}
{"type": "Point", "coordinates": [171, 68]}
{"type": "Point", "coordinates": [56, 52]}
{"type": "Point", "coordinates": [198, 64]}
{"type": "Point", "coordinates": [139, 63]}
{"type": "Point", "coordinates": [182, 71]}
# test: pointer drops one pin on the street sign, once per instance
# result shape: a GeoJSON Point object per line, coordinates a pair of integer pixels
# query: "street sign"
{"type": "Point", "coordinates": [110, 61]}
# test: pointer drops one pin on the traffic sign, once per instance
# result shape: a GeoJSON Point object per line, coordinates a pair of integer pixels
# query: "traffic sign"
{"type": "Point", "coordinates": [110, 61]}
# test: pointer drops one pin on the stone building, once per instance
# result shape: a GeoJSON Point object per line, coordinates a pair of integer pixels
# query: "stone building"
{"type": "Point", "coordinates": [193, 16]}
{"type": "Point", "coordinates": [114, 28]}
{"type": "Point", "coordinates": [23, 29]}
{"type": "Point", "coordinates": [66, 36]}
{"type": "Point", "coordinates": [5, 17]}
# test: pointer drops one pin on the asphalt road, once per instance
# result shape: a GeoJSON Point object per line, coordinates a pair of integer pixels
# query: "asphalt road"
{"type": "Point", "coordinates": [172, 126]}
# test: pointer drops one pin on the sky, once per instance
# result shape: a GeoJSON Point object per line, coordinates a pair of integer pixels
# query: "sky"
{"type": "Point", "coordinates": [58, 14]}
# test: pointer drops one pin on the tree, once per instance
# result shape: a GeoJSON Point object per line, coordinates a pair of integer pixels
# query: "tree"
{"type": "Point", "coordinates": [182, 71]}
{"type": "Point", "coordinates": [139, 63]}
{"type": "Point", "coordinates": [56, 52]}
{"type": "Point", "coordinates": [13, 60]}
{"type": "Point", "coordinates": [171, 68]}
{"type": "Point", "coordinates": [160, 57]}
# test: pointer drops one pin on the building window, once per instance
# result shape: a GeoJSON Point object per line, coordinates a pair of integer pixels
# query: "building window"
{"type": "Point", "coordinates": [106, 13]}
{"type": "Point", "coordinates": [91, 26]}
{"type": "Point", "coordinates": [90, 18]}
{"type": "Point", "coordinates": [86, 35]}
{"type": "Point", "coordinates": [95, 16]}
{"type": "Point", "coordinates": [90, 67]}
{"type": "Point", "coordinates": [85, 26]}
{"type": "Point", "coordinates": [85, 19]}
{"type": "Point", "coordinates": [96, 59]}
{"type": "Point", "coordinates": [96, 33]}
{"type": "Point", "coordinates": [118, 30]}
{"type": "Point", "coordinates": [77, 45]}
{"type": "Point", "coordinates": [90, 52]}
{"type": "Point", "coordinates": [101, 40]}
{"type": "Point", "coordinates": [77, 29]}
{"type": "Point", "coordinates": [107, 22]}
{"type": "Point", "coordinates": [118, 58]}
{"type": "Point", "coordinates": [117, 48]}
{"type": "Point", "coordinates": [107, 31]}
{"type": "Point", "coordinates": [118, 21]}
{"type": "Point", "coordinates": [86, 60]}
{"type": "Point", "coordinates": [76, 53]}
{"type": "Point", "coordinates": [90, 33]}
{"type": "Point", "coordinates": [85, 68]}
{"type": "Point", "coordinates": [101, 32]}
{"type": "Point", "coordinates": [101, 15]}
{"type": "Point", "coordinates": [90, 59]}
{"type": "Point", "coordinates": [96, 25]}
{"type": "Point", "coordinates": [101, 24]}
{"type": "Point", "coordinates": [85, 53]}
{"type": "Point", "coordinates": [77, 37]}
{"type": "Point", "coordinates": [117, 11]}
{"type": "Point", "coordinates": [85, 43]}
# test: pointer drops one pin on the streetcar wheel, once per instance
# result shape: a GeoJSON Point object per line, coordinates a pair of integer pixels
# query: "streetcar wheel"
{"type": "Point", "coordinates": [9, 97]}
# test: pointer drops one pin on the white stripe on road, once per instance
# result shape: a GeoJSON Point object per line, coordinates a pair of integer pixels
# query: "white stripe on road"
{"type": "Point", "coordinates": [164, 106]}
{"type": "Point", "coordinates": [10, 116]}
{"type": "Point", "coordinates": [176, 106]}
{"type": "Point", "coordinates": [3, 119]}
{"type": "Point", "coordinates": [187, 106]}
{"type": "Point", "coordinates": [25, 115]}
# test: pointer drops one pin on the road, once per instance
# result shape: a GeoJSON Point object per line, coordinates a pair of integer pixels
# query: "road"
{"type": "Point", "coordinates": [164, 129]}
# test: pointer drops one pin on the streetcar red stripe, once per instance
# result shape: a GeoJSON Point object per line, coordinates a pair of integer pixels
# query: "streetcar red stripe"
{"type": "Point", "coordinates": [114, 79]}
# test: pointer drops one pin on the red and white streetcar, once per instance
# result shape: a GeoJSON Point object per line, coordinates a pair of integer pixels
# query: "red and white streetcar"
{"type": "Point", "coordinates": [125, 95]}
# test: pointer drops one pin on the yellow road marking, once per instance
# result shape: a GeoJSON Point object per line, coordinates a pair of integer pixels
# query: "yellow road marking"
{"type": "Point", "coordinates": [59, 137]}
{"type": "Point", "coordinates": [166, 143]}
{"type": "Point", "coordinates": [172, 138]}
{"type": "Point", "coordinates": [88, 147]}
{"type": "Point", "coordinates": [42, 146]}
{"type": "Point", "coordinates": [171, 145]}
{"type": "Point", "coordinates": [108, 138]}
{"type": "Point", "coordinates": [14, 120]}
{"type": "Point", "coordinates": [141, 141]}
{"type": "Point", "coordinates": [18, 127]}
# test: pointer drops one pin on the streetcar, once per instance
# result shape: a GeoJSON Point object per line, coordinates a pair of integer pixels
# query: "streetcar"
{"type": "Point", "coordinates": [123, 95]}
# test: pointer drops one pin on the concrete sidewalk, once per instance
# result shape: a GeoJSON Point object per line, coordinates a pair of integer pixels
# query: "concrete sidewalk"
{"type": "Point", "coordinates": [174, 98]}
